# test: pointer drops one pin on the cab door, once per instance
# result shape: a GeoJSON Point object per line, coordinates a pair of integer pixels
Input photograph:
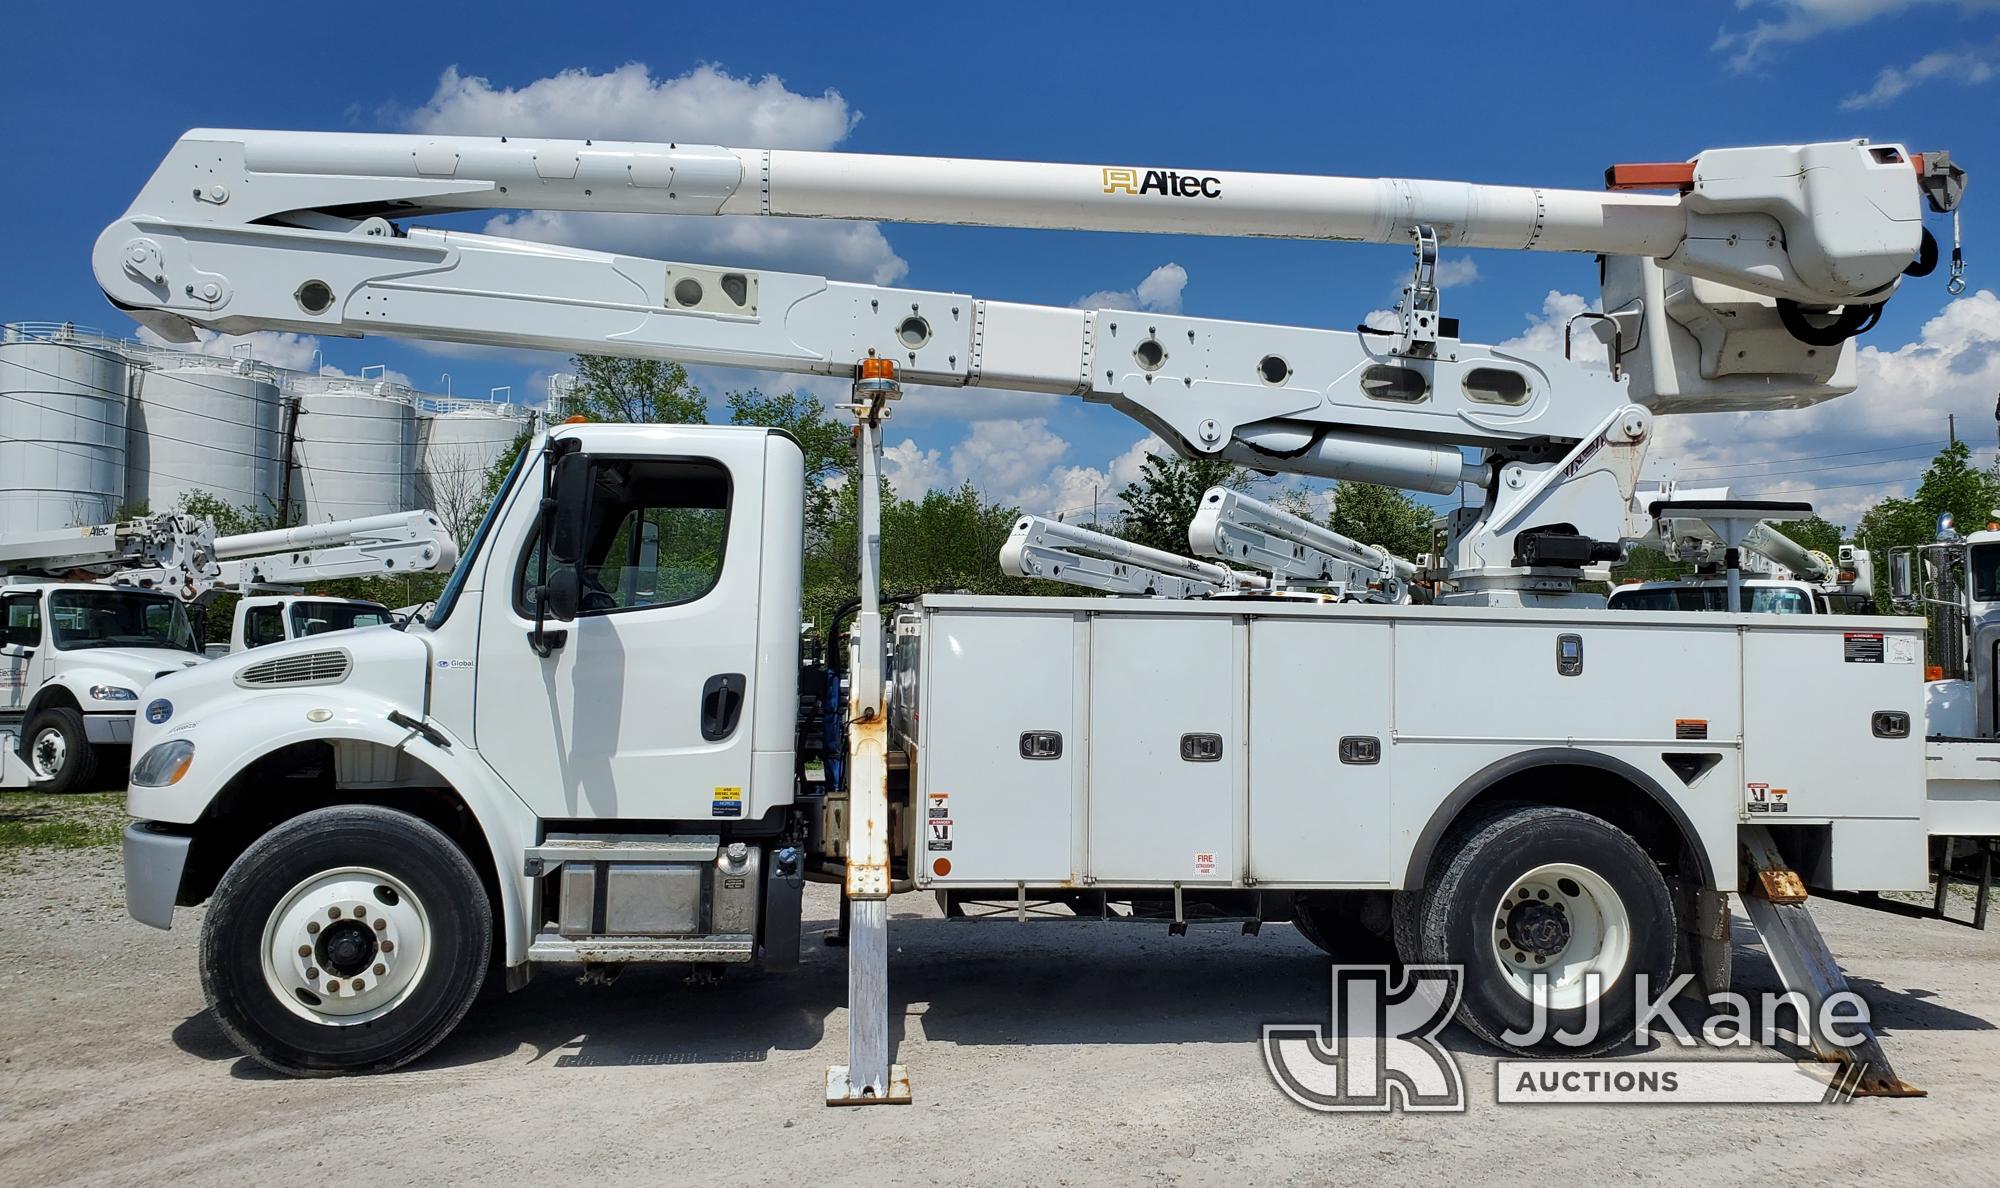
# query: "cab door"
{"type": "Point", "coordinates": [20, 635]}
{"type": "Point", "coordinates": [642, 709]}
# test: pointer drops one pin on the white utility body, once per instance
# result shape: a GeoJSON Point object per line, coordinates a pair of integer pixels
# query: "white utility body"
{"type": "Point", "coordinates": [594, 748]}
{"type": "Point", "coordinates": [75, 654]}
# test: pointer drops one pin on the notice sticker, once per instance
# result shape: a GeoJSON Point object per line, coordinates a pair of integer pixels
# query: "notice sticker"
{"type": "Point", "coordinates": [1204, 863]}
{"type": "Point", "coordinates": [939, 838]}
{"type": "Point", "coordinates": [938, 805]}
{"type": "Point", "coordinates": [1862, 647]}
{"type": "Point", "coordinates": [1900, 649]}
{"type": "Point", "coordinates": [727, 802]}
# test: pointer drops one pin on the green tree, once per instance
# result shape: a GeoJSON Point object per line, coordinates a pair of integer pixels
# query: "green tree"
{"type": "Point", "coordinates": [1383, 517]}
{"type": "Point", "coordinates": [496, 474]}
{"type": "Point", "coordinates": [1160, 505]}
{"type": "Point", "coordinates": [636, 391]}
{"type": "Point", "coordinates": [1951, 484]}
{"type": "Point", "coordinates": [1813, 532]}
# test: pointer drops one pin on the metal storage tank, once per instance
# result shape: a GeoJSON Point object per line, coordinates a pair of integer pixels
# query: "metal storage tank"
{"type": "Point", "coordinates": [355, 447]}
{"type": "Point", "coordinates": [201, 423]}
{"type": "Point", "coordinates": [63, 401]}
{"type": "Point", "coordinates": [456, 445]}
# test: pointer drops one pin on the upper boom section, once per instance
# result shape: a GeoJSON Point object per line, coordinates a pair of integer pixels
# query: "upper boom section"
{"type": "Point", "coordinates": [1820, 224]}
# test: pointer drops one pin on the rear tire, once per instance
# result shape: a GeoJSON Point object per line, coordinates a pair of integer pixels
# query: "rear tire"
{"type": "Point", "coordinates": [1551, 903]}
{"type": "Point", "coordinates": [346, 940]}
{"type": "Point", "coordinates": [56, 746]}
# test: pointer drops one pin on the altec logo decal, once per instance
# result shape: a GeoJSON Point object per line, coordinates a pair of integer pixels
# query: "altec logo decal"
{"type": "Point", "coordinates": [1165, 182]}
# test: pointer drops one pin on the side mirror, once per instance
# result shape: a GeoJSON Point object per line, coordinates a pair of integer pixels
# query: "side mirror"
{"type": "Point", "coordinates": [569, 509]}
{"type": "Point", "coordinates": [1901, 586]}
{"type": "Point", "coordinates": [562, 592]}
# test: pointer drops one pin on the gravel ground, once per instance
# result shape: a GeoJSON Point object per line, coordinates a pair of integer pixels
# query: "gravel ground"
{"type": "Point", "coordinates": [1039, 1054]}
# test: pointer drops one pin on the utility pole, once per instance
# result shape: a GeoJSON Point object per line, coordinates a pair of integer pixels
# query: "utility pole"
{"type": "Point", "coordinates": [1951, 426]}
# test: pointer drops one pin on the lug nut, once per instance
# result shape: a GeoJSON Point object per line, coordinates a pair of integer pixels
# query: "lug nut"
{"type": "Point", "coordinates": [360, 985]}
{"type": "Point", "coordinates": [333, 913]}
{"type": "Point", "coordinates": [380, 969]}
{"type": "Point", "coordinates": [305, 950]}
{"type": "Point", "coordinates": [1541, 895]}
{"type": "Point", "coordinates": [312, 972]}
{"type": "Point", "coordinates": [333, 984]}
{"type": "Point", "coordinates": [359, 911]}
{"type": "Point", "coordinates": [1505, 943]}
{"type": "Point", "coordinates": [312, 926]}
{"type": "Point", "coordinates": [388, 946]}
{"type": "Point", "coordinates": [1517, 957]}
{"type": "Point", "coordinates": [381, 923]}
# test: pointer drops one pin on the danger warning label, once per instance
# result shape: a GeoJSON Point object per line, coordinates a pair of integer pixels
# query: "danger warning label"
{"type": "Point", "coordinates": [1862, 647]}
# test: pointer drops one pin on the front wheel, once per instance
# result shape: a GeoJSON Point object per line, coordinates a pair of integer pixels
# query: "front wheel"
{"type": "Point", "coordinates": [1554, 915]}
{"type": "Point", "coordinates": [57, 750]}
{"type": "Point", "coordinates": [346, 940]}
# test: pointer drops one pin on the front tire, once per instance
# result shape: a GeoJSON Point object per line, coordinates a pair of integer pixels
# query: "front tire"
{"type": "Point", "coordinates": [57, 749]}
{"type": "Point", "coordinates": [346, 940]}
{"type": "Point", "coordinates": [1551, 905]}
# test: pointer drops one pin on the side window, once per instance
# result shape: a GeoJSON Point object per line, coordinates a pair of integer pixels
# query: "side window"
{"type": "Point", "coordinates": [22, 627]}
{"type": "Point", "coordinates": [263, 625]}
{"type": "Point", "coordinates": [656, 535]}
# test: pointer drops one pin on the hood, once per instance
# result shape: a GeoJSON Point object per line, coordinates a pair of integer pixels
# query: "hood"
{"type": "Point", "coordinates": [134, 668]}
{"type": "Point", "coordinates": [379, 663]}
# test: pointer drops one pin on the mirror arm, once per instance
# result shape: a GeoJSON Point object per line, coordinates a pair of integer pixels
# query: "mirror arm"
{"type": "Point", "coordinates": [538, 639]}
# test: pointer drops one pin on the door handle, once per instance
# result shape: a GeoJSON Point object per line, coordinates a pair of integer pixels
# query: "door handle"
{"type": "Point", "coordinates": [721, 705]}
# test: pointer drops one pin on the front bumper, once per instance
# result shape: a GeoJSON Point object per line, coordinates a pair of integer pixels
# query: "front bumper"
{"type": "Point", "coordinates": [113, 728]}
{"type": "Point", "coordinates": [154, 860]}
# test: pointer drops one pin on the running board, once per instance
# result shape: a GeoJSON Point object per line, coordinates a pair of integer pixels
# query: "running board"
{"type": "Point", "coordinates": [627, 950]}
{"type": "Point", "coordinates": [1775, 899]}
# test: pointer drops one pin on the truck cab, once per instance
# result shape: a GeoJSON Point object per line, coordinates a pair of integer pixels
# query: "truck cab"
{"type": "Point", "coordinates": [74, 657]}
{"type": "Point", "coordinates": [261, 620]}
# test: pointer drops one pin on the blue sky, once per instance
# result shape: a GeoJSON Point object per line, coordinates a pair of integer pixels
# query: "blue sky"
{"type": "Point", "coordinates": [1546, 94]}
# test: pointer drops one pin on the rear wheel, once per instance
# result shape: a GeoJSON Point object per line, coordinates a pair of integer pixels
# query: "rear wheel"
{"type": "Point", "coordinates": [58, 751]}
{"type": "Point", "coordinates": [1545, 907]}
{"type": "Point", "coordinates": [349, 939]}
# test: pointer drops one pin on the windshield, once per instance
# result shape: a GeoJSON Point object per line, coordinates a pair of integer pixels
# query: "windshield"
{"type": "Point", "coordinates": [314, 618]}
{"type": "Point", "coordinates": [118, 619]}
{"type": "Point", "coordinates": [1986, 573]}
{"type": "Point", "coordinates": [456, 583]}
{"type": "Point", "coordinates": [1761, 600]}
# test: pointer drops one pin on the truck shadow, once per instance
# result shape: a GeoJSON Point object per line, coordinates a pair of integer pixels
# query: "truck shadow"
{"type": "Point", "coordinates": [971, 984]}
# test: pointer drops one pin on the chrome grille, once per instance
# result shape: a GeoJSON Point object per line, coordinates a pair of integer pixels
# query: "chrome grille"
{"type": "Point", "coordinates": [309, 668]}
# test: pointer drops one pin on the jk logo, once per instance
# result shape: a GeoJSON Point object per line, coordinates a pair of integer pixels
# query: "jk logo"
{"type": "Point", "coordinates": [1381, 1053]}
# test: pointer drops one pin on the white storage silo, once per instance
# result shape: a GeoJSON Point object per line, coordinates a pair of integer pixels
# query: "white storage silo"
{"type": "Point", "coordinates": [456, 445]}
{"type": "Point", "coordinates": [63, 400]}
{"type": "Point", "coordinates": [200, 423]}
{"type": "Point", "coordinates": [354, 449]}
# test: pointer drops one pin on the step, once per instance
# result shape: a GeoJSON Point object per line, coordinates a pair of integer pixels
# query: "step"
{"type": "Point", "coordinates": [558, 848]}
{"type": "Point", "coordinates": [723, 947]}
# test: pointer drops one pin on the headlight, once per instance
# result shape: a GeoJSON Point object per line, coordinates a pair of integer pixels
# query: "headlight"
{"type": "Point", "coordinates": [164, 764]}
{"type": "Point", "coordinates": [112, 693]}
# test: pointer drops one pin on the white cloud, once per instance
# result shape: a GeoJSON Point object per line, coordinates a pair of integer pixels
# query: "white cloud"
{"type": "Point", "coordinates": [1457, 270]}
{"type": "Point", "coordinates": [292, 352]}
{"type": "Point", "coordinates": [704, 105]}
{"type": "Point", "coordinates": [1545, 330]}
{"type": "Point", "coordinates": [1903, 397]}
{"type": "Point", "coordinates": [1024, 463]}
{"type": "Point", "coordinates": [1793, 21]}
{"type": "Point", "coordinates": [1967, 67]}
{"type": "Point", "coordinates": [1160, 292]}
